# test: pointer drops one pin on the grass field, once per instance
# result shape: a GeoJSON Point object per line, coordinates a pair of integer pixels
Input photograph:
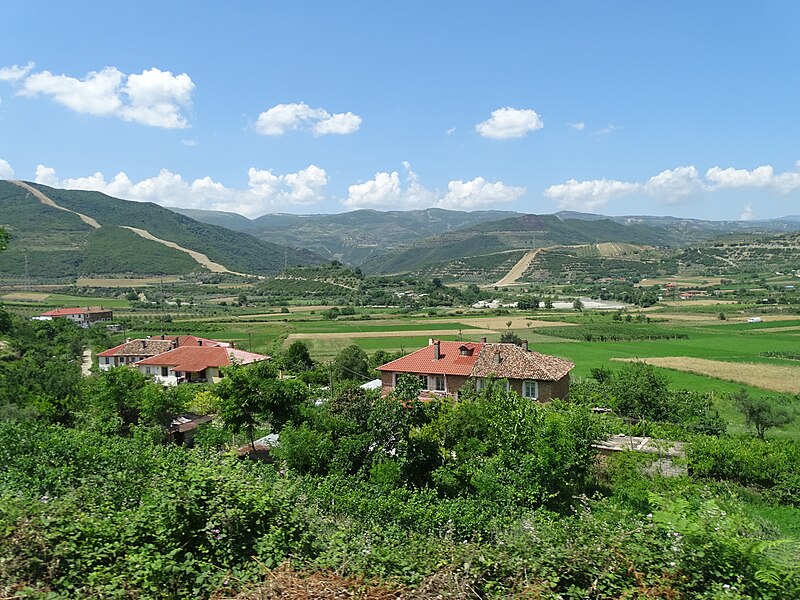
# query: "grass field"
{"type": "Point", "coordinates": [33, 298]}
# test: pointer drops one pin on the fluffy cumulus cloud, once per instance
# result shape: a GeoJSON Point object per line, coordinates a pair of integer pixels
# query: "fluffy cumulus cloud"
{"type": "Point", "coordinates": [265, 192]}
{"type": "Point", "coordinates": [510, 122]}
{"type": "Point", "coordinates": [674, 186]}
{"type": "Point", "coordinates": [153, 97]}
{"type": "Point", "coordinates": [588, 195]}
{"type": "Point", "coordinates": [15, 72]}
{"type": "Point", "coordinates": [386, 191]}
{"type": "Point", "coordinates": [760, 177]}
{"type": "Point", "coordinates": [747, 213]}
{"type": "Point", "coordinates": [6, 172]}
{"type": "Point", "coordinates": [282, 118]}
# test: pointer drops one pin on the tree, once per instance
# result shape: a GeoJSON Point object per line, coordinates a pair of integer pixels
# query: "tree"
{"type": "Point", "coordinates": [577, 304]}
{"type": "Point", "coordinates": [640, 391]}
{"type": "Point", "coordinates": [351, 363]}
{"type": "Point", "coordinates": [762, 413]}
{"type": "Point", "coordinates": [510, 337]}
{"type": "Point", "coordinates": [3, 239]}
{"type": "Point", "coordinates": [296, 358]}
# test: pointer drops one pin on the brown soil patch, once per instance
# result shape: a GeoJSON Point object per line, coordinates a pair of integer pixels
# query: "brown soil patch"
{"type": "Point", "coordinates": [699, 302]}
{"type": "Point", "coordinates": [777, 378]}
{"type": "Point", "coordinates": [25, 297]}
{"type": "Point", "coordinates": [48, 202]}
{"type": "Point", "coordinates": [126, 282]}
{"type": "Point", "coordinates": [199, 257]}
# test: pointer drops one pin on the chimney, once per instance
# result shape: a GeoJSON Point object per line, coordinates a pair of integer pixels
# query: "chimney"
{"type": "Point", "coordinates": [127, 340]}
{"type": "Point", "coordinates": [483, 340]}
{"type": "Point", "coordinates": [525, 345]}
{"type": "Point", "coordinates": [163, 336]}
{"type": "Point", "coordinates": [174, 343]}
{"type": "Point", "coordinates": [430, 341]}
{"type": "Point", "coordinates": [497, 358]}
{"type": "Point", "coordinates": [144, 343]}
{"type": "Point", "coordinates": [437, 354]}
{"type": "Point", "coordinates": [199, 342]}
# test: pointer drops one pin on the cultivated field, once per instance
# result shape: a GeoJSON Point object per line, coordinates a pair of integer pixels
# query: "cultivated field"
{"type": "Point", "coordinates": [784, 379]}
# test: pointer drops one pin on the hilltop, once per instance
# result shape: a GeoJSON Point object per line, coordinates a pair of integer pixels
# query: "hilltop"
{"type": "Point", "coordinates": [90, 233]}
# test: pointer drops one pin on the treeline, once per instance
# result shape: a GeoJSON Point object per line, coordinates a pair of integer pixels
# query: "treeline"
{"type": "Point", "coordinates": [491, 496]}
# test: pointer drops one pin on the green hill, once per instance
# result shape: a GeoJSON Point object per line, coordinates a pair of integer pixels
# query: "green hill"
{"type": "Point", "coordinates": [355, 236]}
{"type": "Point", "coordinates": [515, 233]}
{"type": "Point", "coordinates": [59, 245]}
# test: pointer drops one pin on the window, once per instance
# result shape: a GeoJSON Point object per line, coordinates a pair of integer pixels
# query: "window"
{"type": "Point", "coordinates": [530, 389]}
{"type": "Point", "coordinates": [107, 360]}
{"type": "Point", "coordinates": [147, 370]}
{"type": "Point", "coordinates": [164, 371]}
{"type": "Point", "coordinates": [423, 380]}
{"type": "Point", "coordinates": [480, 383]}
{"type": "Point", "coordinates": [438, 382]}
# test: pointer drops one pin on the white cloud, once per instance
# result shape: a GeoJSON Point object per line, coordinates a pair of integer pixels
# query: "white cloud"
{"type": "Point", "coordinates": [190, 143]}
{"type": "Point", "coordinates": [509, 122]}
{"type": "Point", "coordinates": [6, 172]}
{"type": "Point", "coordinates": [579, 126]}
{"type": "Point", "coordinates": [154, 97]}
{"type": "Point", "coordinates": [747, 213]}
{"type": "Point", "coordinates": [265, 192]}
{"type": "Point", "coordinates": [299, 116]}
{"type": "Point", "coordinates": [478, 193]}
{"type": "Point", "coordinates": [606, 130]}
{"type": "Point", "coordinates": [588, 195]}
{"type": "Point", "coordinates": [674, 186]}
{"type": "Point", "coordinates": [15, 72]}
{"type": "Point", "coordinates": [760, 177]}
{"type": "Point", "coordinates": [450, 131]}
{"type": "Point", "coordinates": [387, 192]}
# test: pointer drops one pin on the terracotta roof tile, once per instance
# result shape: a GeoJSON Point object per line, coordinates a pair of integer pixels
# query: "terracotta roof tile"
{"type": "Point", "coordinates": [451, 361]}
{"type": "Point", "coordinates": [63, 312]}
{"type": "Point", "coordinates": [514, 362]}
{"type": "Point", "coordinates": [193, 359]}
{"type": "Point", "coordinates": [141, 347]}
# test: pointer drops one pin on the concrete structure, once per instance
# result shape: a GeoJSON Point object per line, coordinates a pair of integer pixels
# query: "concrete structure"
{"type": "Point", "coordinates": [444, 367]}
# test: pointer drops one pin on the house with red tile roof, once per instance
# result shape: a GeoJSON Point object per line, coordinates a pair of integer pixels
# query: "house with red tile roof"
{"type": "Point", "coordinates": [131, 351]}
{"type": "Point", "coordinates": [195, 364]}
{"type": "Point", "coordinates": [444, 367]}
{"type": "Point", "coordinates": [83, 317]}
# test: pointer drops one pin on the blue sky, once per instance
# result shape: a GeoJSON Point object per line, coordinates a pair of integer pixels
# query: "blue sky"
{"type": "Point", "coordinates": [681, 108]}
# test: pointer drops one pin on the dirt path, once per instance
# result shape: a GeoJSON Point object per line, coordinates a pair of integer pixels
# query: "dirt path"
{"type": "Point", "coordinates": [45, 200]}
{"type": "Point", "coordinates": [201, 258]}
{"type": "Point", "coordinates": [518, 269]}
{"type": "Point", "coordinates": [430, 333]}
{"type": "Point", "coordinates": [86, 363]}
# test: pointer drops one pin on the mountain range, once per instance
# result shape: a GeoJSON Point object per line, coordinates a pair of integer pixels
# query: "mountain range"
{"type": "Point", "coordinates": [56, 240]}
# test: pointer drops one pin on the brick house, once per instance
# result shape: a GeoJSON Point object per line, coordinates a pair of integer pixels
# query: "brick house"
{"type": "Point", "coordinates": [444, 367]}
{"type": "Point", "coordinates": [83, 317]}
{"type": "Point", "coordinates": [131, 351]}
{"type": "Point", "coordinates": [195, 364]}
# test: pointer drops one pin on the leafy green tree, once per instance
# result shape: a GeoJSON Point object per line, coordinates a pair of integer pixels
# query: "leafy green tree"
{"type": "Point", "coordinates": [296, 358]}
{"type": "Point", "coordinates": [640, 391]}
{"type": "Point", "coordinates": [3, 239]}
{"type": "Point", "coordinates": [761, 413]}
{"type": "Point", "coordinates": [577, 304]}
{"type": "Point", "coordinates": [251, 395]}
{"type": "Point", "coordinates": [351, 363]}
{"type": "Point", "coordinates": [510, 337]}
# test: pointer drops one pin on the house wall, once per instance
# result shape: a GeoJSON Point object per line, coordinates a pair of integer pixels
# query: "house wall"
{"type": "Point", "coordinates": [548, 390]}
